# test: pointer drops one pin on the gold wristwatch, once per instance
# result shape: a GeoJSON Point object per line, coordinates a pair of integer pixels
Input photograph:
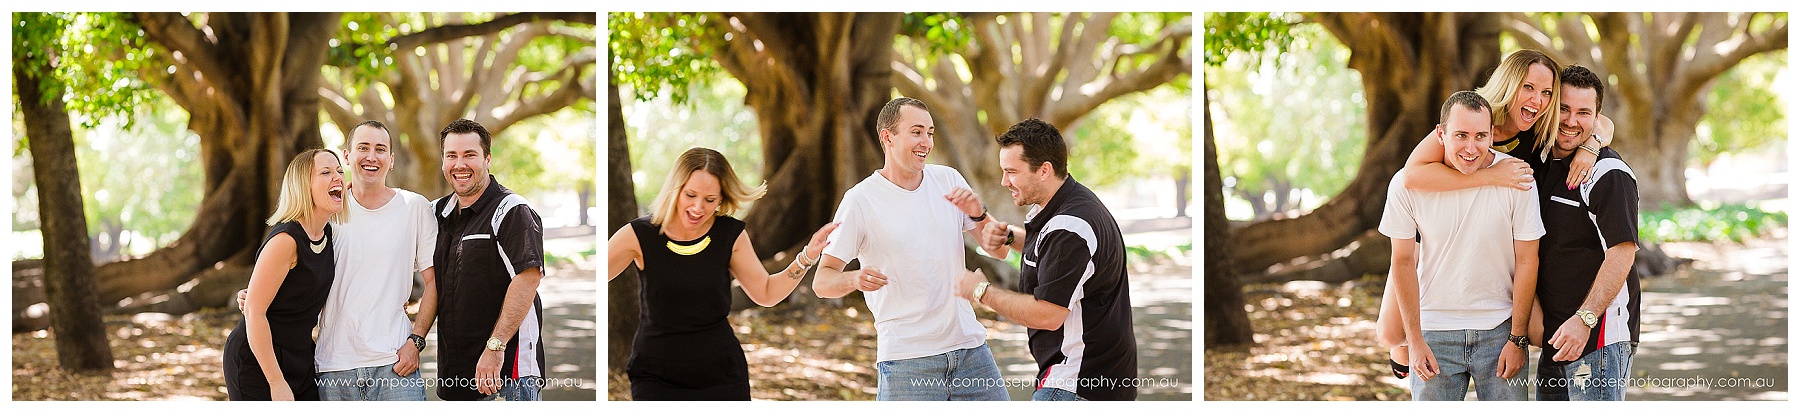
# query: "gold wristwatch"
{"type": "Point", "coordinates": [495, 344]}
{"type": "Point", "coordinates": [1588, 317]}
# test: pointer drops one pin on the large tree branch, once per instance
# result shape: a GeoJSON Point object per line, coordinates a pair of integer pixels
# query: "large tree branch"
{"type": "Point", "coordinates": [446, 33]}
{"type": "Point", "coordinates": [570, 88]}
{"type": "Point", "coordinates": [1172, 62]}
{"type": "Point", "coordinates": [187, 44]}
{"type": "Point", "coordinates": [1701, 71]}
{"type": "Point", "coordinates": [1615, 41]}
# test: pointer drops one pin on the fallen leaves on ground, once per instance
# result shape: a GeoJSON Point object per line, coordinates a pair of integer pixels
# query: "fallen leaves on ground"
{"type": "Point", "coordinates": [155, 357]}
{"type": "Point", "coordinates": [1314, 341]}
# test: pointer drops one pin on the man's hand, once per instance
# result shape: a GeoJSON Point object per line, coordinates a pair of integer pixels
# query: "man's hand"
{"type": "Point", "coordinates": [409, 360]}
{"type": "Point", "coordinates": [1570, 339]}
{"type": "Point", "coordinates": [1510, 172]}
{"type": "Point", "coordinates": [1424, 363]}
{"type": "Point", "coordinates": [869, 279]}
{"type": "Point", "coordinates": [965, 200]}
{"type": "Point", "coordinates": [1512, 359]}
{"type": "Point", "coordinates": [993, 236]}
{"type": "Point", "coordinates": [965, 284]}
{"type": "Point", "coordinates": [243, 300]}
{"type": "Point", "coordinates": [487, 372]}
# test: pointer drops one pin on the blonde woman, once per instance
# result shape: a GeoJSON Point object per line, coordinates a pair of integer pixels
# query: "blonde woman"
{"type": "Point", "coordinates": [269, 356]}
{"type": "Point", "coordinates": [688, 252]}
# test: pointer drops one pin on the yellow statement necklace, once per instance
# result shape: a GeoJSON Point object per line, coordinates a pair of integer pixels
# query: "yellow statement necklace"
{"type": "Point", "coordinates": [690, 249]}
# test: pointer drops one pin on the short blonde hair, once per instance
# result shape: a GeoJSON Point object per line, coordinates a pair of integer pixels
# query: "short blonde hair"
{"type": "Point", "coordinates": [733, 193]}
{"type": "Point", "coordinates": [296, 201]}
{"type": "Point", "coordinates": [1503, 87]}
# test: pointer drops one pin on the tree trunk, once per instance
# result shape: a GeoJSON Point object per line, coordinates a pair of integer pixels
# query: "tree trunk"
{"type": "Point", "coordinates": [81, 342]}
{"type": "Point", "coordinates": [1227, 322]}
{"type": "Point", "coordinates": [250, 84]}
{"type": "Point", "coordinates": [621, 292]}
{"type": "Point", "coordinates": [816, 82]}
{"type": "Point", "coordinates": [1410, 62]}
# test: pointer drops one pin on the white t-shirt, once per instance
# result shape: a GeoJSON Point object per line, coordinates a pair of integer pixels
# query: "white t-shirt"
{"type": "Point", "coordinates": [364, 321]}
{"type": "Point", "coordinates": [1465, 248]}
{"type": "Point", "coordinates": [915, 238]}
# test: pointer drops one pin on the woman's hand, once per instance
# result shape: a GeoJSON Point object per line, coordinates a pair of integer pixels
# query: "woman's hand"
{"type": "Point", "coordinates": [279, 391]}
{"type": "Point", "coordinates": [819, 240]}
{"type": "Point", "coordinates": [1579, 170]}
{"type": "Point", "coordinates": [1510, 172]}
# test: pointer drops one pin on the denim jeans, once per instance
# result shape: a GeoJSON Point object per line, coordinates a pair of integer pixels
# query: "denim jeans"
{"type": "Point", "coordinates": [525, 389]}
{"type": "Point", "coordinates": [966, 374]}
{"type": "Point", "coordinates": [1464, 356]}
{"type": "Point", "coordinates": [1052, 394]}
{"type": "Point", "coordinates": [375, 383]}
{"type": "Point", "coordinates": [1597, 376]}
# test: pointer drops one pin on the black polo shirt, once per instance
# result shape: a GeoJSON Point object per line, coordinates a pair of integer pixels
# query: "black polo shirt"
{"type": "Point", "coordinates": [1582, 223]}
{"type": "Point", "coordinates": [1075, 257]}
{"type": "Point", "coordinates": [475, 265]}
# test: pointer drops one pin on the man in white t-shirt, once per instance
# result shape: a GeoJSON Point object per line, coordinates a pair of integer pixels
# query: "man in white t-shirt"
{"type": "Point", "coordinates": [1465, 267]}
{"type": "Point", "coordinates": [904, 223]}
{"type": "Point", "coordinates": [367, 348]}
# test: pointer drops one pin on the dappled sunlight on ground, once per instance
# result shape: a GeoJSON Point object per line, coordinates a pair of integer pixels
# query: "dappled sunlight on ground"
{"type": "Point", "coordinates": [162, 357]}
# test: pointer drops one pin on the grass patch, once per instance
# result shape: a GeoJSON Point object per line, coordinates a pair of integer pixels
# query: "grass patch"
{"type": "Point", "coordinates": [1733, 222]}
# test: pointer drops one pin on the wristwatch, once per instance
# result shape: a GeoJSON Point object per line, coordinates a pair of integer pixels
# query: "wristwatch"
{"type": "Point", "coordinates": [1523, 342]}
{"type": "Point", "coordinates": [980, 290]}
{"type": "Point", "coordinates": [417, 341]}
{"type": "Point", "coordinates": [495, 344]}
{"type": "Point", "coordinates": [1588, 317]}
{"type": "Point", "coordinates": [978, 218]}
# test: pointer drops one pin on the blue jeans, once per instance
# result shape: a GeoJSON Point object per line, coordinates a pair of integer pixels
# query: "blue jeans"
{"type": "Point", "coordinates": [375, 383]}
{"type": "Point", "coordinates": [1464, 356]}
{"type": "Point", "coordinates": [523, 389]}
{"type": "Point", "coordinates": [1052, 394]}
{"type": "Point", "coordinates": [1597, 376]}
{"type": "Point", "coordinates": [966, 374]}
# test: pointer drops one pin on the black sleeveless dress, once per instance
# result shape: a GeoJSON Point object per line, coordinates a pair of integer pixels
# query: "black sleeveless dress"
{"type": "Point", "coordinates": [685, 349]}
{"type": "Point", "coordinates": [292, 316]}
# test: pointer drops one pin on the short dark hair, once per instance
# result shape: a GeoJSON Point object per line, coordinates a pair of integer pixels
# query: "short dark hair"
{"type": "Point", "coordinates": [889, 118]}
{"type": "Point", "coordinates": [373, 124]}
{"type": "Point", "coordinates": [1467, 99]}
{"type": "Point", "coordinates": [1042, 144]}
{"type": "Point", "coordinates": [1581, 77]}
{"type": "Point", "coordinates": [469, 126]}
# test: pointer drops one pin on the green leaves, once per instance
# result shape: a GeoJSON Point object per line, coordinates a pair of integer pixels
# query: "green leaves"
{"type": "Point", "coordinates": [1249, 33]}
{"type": "Point", "coordinates": [99, 62]}
{"type": "Point", "coordinates": [651, 51]}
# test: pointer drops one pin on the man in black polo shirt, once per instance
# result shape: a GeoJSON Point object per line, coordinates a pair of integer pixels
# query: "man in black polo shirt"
{"type": "Point", "coordinates": [1590, 299]}
{"type": "Point", "coordinates": [490, 257]}
{"type": "Point", "coordinates": [1078, 312]}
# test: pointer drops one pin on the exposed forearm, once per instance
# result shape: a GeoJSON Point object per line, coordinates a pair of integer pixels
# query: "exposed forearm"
{"type": "Point", "coordinates": [262, 345]}
{"type": "Point", "coordinates": [427, 304]}
{"type": "Point", "coordinates": [833, 282]}
{"type": "Point", "coordinates": [519, 296]}
{"type": "Point", "coordinates": [1524, 293]}
{"type": "Point", "coordinates": [1025, 309]}
{"type": "Point", "coordinates": [1611, 278]}
{"type": "Point", "coordinates": [768, 290]}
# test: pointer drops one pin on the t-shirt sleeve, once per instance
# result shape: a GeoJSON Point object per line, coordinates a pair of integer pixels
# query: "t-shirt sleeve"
{"type": "Point", "coordinates": [1614, 201]}
{"type": "Point", "coordinates": [846, 240]}
{"type": "Point", "coordinates": [426, 244]}
{"type": "Point", "coordinates": [1065, 262]}
{"type": "Point", "coordinates": [522, 235]}
{"type": "Point", "coordinates": [1528, 219]}
{"type": "Point", "coordinates": [1396, 216]}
